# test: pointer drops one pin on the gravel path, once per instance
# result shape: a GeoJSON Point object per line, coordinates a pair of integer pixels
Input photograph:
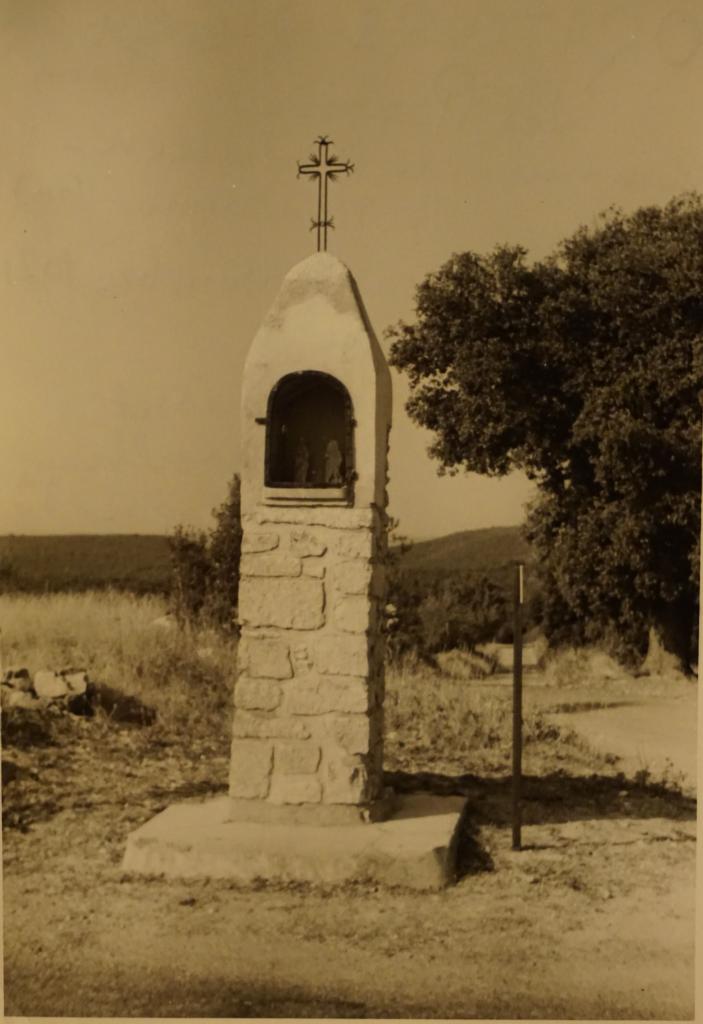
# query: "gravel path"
{"type": "Point", "coordinates": [659, 735]}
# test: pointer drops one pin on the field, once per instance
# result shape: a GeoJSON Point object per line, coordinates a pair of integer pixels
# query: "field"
{"type": "Point", "coordinates": [603, 889]}
{"type": "Point", "coordinates": [134, 562]}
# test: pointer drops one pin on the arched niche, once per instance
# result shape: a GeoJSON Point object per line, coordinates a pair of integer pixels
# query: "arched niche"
{"type": "Point", "coordinates": [310, 437]}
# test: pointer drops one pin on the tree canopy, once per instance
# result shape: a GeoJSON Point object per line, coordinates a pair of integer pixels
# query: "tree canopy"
{"type": "Point", "coordinates": [583, 370]}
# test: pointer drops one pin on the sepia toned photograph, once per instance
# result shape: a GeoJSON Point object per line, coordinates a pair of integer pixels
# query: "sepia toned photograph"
{"type": "Point", "coordinates": [351, 391]}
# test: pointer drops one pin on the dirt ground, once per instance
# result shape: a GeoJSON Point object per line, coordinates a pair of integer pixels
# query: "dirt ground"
{"type": "Point", "coordinates": [642, 735]}
{"type": "Point", "coordinates": [592, 919]}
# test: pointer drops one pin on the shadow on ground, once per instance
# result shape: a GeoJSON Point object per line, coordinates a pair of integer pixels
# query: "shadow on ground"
{"type": "Point", "coordinates": [562, 707]}
{"type": "Point", "coordinates": [204, 788]}
{"type": "Point", "coordinates": [53, 724]}
{"type": "Point", "coordinates": [168, 997]}
{"type": "Point", "coordinates": [121, 707]}
{"type": "Point", "coordinates": [152, 993]}
{"type": "Point", "coordinates": [555, 798]}
{"type": "Point", "coordinates": [549, 800]}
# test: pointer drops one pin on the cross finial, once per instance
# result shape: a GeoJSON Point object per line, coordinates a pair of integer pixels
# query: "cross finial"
{"type": "Point", "coordinates": [323, 166]}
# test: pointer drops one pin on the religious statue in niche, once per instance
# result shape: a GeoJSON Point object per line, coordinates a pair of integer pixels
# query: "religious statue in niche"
{"type": "Point", "coordinates": [310, 440]}
{"type": "Point", "coordinates": [333, 463]}
{"type": "Point", "coordinates": [302, 462]}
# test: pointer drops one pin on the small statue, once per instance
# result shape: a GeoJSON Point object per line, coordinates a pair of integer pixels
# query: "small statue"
{"type": "Point", "coordinates": [333, 463]}
{"type": "Point", "coordinates": [302, 462]}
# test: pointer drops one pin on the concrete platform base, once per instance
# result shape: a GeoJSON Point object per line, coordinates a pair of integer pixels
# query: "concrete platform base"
{"type": "Point", "coordinates": [415, 848]}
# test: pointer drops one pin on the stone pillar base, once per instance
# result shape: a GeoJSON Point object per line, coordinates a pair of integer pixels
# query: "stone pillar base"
{"type": "Point", "coordinates": [307, 735]}
{"type": "Point", "coordinates": [263, 812]}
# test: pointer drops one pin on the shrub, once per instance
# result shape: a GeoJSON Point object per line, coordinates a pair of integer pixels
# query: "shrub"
{"type": "Point", "coordinates": [433, 615]}
{"type": "Point", "coordinates": [191, 574]}
{"type": "Point", "coordinates": [206, 567]}
{"type": "Point", "coordinates": [580, 666]}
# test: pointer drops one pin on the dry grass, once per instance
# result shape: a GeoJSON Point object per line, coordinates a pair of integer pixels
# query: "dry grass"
{"type": "Point", "coordinates": [184, 677]}
{"type": "Point", "coordinates": [184, 680]}
{"type": "Point", "coordinates": [441, 724]}
{"type": "Point", "coordinates": [162, 717]}
{"type": "Point", "coordinates": [164, 711]}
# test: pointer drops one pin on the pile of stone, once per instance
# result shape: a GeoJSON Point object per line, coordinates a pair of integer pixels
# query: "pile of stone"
{"type": "Point", "coordinates": [69, 689]}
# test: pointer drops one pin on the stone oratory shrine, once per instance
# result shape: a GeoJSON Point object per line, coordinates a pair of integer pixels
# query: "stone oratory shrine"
{"type": "Point", "coordinates": [306, 798]}
{"type": "Point", "coordinates": [316, 413]}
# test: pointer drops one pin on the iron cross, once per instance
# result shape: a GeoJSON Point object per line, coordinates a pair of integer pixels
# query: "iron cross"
{"type": "Point", "coordinates": [324, 167]}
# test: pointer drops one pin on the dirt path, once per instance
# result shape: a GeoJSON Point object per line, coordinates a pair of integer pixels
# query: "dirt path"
{"type": "Point", "coordinates": [588, 899]}
{"type": "Point", "coordinates": [659, 735]}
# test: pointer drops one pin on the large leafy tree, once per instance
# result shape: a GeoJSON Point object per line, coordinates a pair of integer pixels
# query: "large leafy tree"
{"type": "Point", "coordinates": [583, 370]}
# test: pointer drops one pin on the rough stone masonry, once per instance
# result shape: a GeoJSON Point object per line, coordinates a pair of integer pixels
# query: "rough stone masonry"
{"type": "Point", "coordinates": [308, 718]}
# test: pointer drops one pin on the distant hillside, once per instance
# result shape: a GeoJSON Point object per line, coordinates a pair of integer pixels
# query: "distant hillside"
{"type": "Point", "coordinates": [469, 551]}
{"type": "Point", "coordinates": [141, 563]}
{"type": "Point", "coordinates": [133, 562]}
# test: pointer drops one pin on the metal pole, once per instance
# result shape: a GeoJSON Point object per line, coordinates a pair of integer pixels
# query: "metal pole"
{"type": "Point", "coordinates": [517, 705]}
{"type": "Point", "coordinates": [700, 574]}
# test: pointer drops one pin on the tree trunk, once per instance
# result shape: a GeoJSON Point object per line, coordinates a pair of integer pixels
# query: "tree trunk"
{"type": "Point", "coordinates": [670, 640]}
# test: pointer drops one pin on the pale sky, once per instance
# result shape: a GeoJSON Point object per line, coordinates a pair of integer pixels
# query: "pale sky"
{"type": "Point", "coordinates": [150, 209]}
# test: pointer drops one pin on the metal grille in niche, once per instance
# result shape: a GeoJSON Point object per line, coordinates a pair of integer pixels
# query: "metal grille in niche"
{"type": "Point", "coordinates": [309, 432]}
